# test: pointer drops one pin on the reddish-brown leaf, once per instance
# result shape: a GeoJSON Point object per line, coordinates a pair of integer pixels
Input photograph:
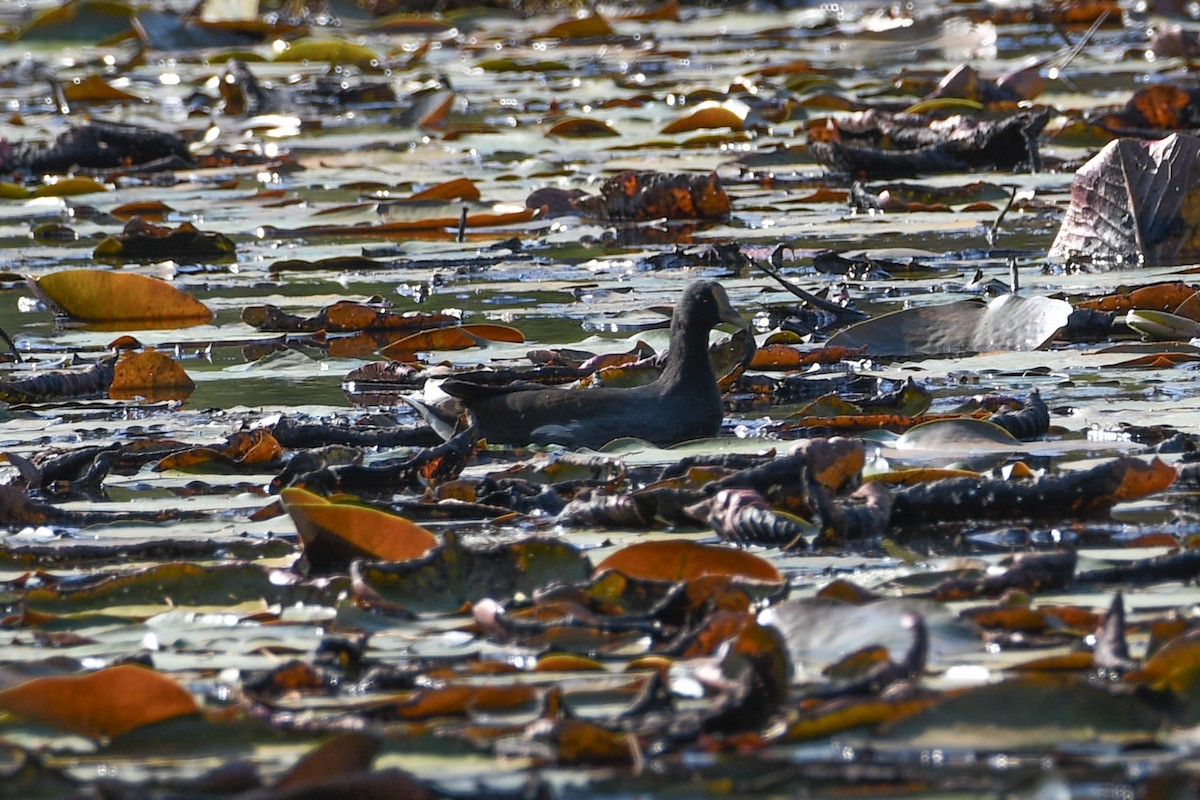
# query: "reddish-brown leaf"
{"type": "Point", "coordinates": [106, 703]}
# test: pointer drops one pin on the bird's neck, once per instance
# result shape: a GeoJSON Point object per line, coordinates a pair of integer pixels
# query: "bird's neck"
{"type": "Point", "coordinates": [687, 358]}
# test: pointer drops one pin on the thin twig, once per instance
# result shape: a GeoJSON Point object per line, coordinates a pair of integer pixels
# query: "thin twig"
{"type": "Point", "coordinates": [990, 236]}
{"type": "Point", "coordinates": [12, 347]}
{"type": "Point", "coordinates": [809, 297]}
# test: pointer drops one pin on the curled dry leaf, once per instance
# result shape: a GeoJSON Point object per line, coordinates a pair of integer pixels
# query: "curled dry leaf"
{"type": "Point", "coordinates": [743, 516]}
{"type": "Point", "coordinates": [243, 451]}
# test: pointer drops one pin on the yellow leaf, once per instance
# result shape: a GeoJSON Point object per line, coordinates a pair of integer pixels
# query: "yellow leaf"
{"type": "Point", "coordinates": [711, 114]}
{"type": "Point", "coordinates": [66, 187]}
{"type": "Point", "coordinates": [589, 27]}
{"type": "Point", "coordinates": [100, 295]}
{"type": "Point", "coordinates": [13, 191]}
{"type": "Point", "coordinates": [333, 51]}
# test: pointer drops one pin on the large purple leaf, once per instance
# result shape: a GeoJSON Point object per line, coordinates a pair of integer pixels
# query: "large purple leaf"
{"type": "Point", "coordinates": [1136, 200]}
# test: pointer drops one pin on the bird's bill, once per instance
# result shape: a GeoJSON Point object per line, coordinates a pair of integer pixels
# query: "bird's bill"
{"type": "Point", "coordinates": [726, 311]}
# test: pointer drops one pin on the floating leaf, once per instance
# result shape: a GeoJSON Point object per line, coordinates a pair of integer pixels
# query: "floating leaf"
{"type": "Point", "coordinates": [413, 24]}
{"type": "Point", "coordinates": [150, 209]}
{"type": "Point", "coordinates": [1156, 296]}
{"type": "Point", "coordinates": [428, 111]}
{"type": "Point", "coordinates": [94, 89]}
{"type": "Point", "coordinates": [99, 295]}
{"type": "Point", "coordinates": [243, 451]}
{"type": "Point", "coordinates": [90, 21]}
{"type": "Point", "coordinates": [1028, 712]}
{"type": "Point", "coordinates": [13, 191]}
{"type": "Point", "coordinates": [143, 241]}
{"type": "Point", "coordinates": [952, 434]}
{"type": "Point", "coordinates": [456, 573]}
{"type": "Point", "coordinates": [675, 561]}
{"type": "Point", "coordinates": [1141, 479]}
{"type": "Point", "coordinates": [457, 189]}
{"type": "Point", "coordinates": [712, 114]}
{"type": "Point", "coordinates": [150, 374]}
{"type": "Point", "coordinates": [408, 218]}
{"type": "Point", "coordinates": [590, 26]}
{"type": "Point", "coordinates": [334, 533]}
{"type": "Point", "coordinates": [345, 753]}
{"type": "Point", "coordinates": [581, 128]}
{"type": "Point", "coordinates": [851, 713]}
{"type": "Point", "coordinates": [69, 187]}
{"type": "Point", "coordinates": [458, 337]}
{"type": "Point", "coordinates": [1009, 322]}
{"type": "Point", "coordinates": [103, 704]}
{"type": "Point", "coordinates": [165, 584]}
{"type": "Point", "coordinates": [820, 632]}
{"type": "Point", "coordinates": [1161, 325]}
{"type": "Point", "coordinates": [332, 51]}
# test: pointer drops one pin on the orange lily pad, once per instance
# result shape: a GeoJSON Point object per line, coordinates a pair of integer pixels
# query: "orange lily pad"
{"type": "Point", "coordinates": [676, 560]}
{"type": "Point", "coordinates": [106, 703]}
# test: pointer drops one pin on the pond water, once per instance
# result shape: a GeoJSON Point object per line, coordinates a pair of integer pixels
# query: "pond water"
{"type": "Point", "coordinates": [474, 95]}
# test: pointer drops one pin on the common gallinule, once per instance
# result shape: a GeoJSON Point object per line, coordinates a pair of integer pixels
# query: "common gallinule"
{"type": "Point", "coordinates": [683, 403]}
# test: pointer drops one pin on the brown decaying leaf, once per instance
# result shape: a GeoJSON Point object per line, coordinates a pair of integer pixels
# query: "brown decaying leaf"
{"type": "Point", "coordinates": [1157, 297]}
{"type": "Point", "coordinates": [150, 374]}
{"type": "Point", "coordinates": [342, 317]}
{"type": "Point", "coordinates": [242, 451]}
{"type": "Point", "coordinates": [586, 26]}
{"type": "Point", "coordinates": [144, 241]}
{"type": "Point", "coordinates": [785, 357]}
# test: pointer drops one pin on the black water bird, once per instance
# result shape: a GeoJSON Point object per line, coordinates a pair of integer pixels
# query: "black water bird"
{"type": "Point", "coordinates": [683, 403]}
